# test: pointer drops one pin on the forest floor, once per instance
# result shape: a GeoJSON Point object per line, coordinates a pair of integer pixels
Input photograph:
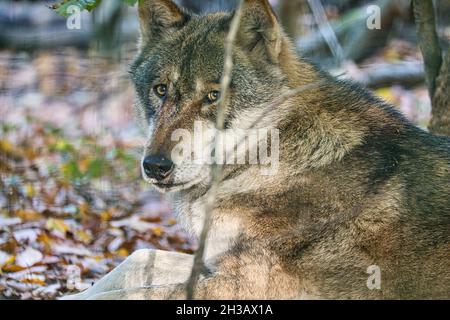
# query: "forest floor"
{"type": "Point", "coordinates": [71, 195]}
{"type": "Point", "coordinates": [73, 205]}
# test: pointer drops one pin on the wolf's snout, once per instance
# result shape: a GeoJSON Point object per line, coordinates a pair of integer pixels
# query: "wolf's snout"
{"type": "Point", "coordinates": [157, 167]}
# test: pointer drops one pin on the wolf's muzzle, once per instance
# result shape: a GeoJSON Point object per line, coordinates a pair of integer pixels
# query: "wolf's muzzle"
{"type": "Point", "coordinates": [157, 167]}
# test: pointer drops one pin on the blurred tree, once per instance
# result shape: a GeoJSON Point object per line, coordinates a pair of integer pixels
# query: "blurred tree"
{"type": "Point", "coordinates": [440, 121]}
{"type": "Point", "coordinates": [107, 28]}
{"type": "Point", "coordinates": [290, 11]}
{"type": "Point", "coordinates": [437, 70]}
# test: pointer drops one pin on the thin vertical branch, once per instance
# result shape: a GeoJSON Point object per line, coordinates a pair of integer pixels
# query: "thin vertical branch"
{"type": "Point", "coordinates": [216, 168]}
{"type": "Point", "coordinates": [326, 30]}
{"type": "Point", "coordinates": [428, 41]}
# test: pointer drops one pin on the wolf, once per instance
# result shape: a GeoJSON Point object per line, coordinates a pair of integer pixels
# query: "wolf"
{"type": "Point", "coordinates": [359, 207]}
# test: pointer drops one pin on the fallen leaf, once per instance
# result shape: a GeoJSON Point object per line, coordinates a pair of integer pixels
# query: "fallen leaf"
{"type": "Point", "coordinates": [33, 279]}
{"type": "Point", "coordinates": [29, 215]}
{"type": "Point", "coordinates": [157, 231]}
{"type": "Point", "coordinates": [27, 273]}
{"type": "Point", "coordinates": [134, 223]}
{"type": "Point", "coordinates": [83, 236]}
{"type": "Point", "coordinates": [6, 222]}
{"type": "Point", "coordinates": [12, 268]}
{"type": "Point", "coordinates": [57, 225]}
{"type": "Point", "coordinates": [48, 291]}
{"type": "Point", "coordinates": [61, 249]}
{"type": "Point", "coordinates": [6, 146]}
{"type": "Point", "coordinates": [29, 190]}
{"type": "Point", "coordinates": [5, 258]}
{"type": "Point", "coordinates": [29, 257]}
{"type": "Point", "coordinates": [29, 235]}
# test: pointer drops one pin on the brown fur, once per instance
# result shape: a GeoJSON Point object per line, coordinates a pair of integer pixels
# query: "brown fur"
{"type": "Point", "coordinates": [358, 185]}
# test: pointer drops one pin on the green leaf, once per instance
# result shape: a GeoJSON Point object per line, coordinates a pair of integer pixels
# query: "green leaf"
{"type": "Point", "coordinates": [130, 2]}
{"type": "Point", "coordinates": [70, 170]}
{"type": "Point", "coordinates": [62, 146]}
{"type": "Point", "coordinates": [129, 160]}
{"type": "Point", "coordinates": [96, 167]}
{"type": "Point", "coordinates": [62, 7]}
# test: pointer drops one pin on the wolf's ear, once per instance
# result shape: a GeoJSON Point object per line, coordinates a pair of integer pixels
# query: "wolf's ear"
{"type": "Point", "coordinates": [158, 18]}
{"type": "Point", "coordinates": [259, 31]}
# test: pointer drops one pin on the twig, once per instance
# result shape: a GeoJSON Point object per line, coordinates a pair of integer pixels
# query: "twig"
{"type": "Point", "coordinates": [406, 74]}
{"type": "Point", "coordinates": [216, 168]}
{"type": "Point", "coordinates": [326, 30]}
{"type": "Point", "coordinates": [428, 41]}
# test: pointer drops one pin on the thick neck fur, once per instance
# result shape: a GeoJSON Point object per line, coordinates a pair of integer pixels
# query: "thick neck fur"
{"type": "Point", "coordinates": [319, 129]}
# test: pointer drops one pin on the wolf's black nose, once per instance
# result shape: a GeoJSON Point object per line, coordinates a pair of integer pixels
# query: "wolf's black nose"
{"type": "Point", "coordinates": [157, 167]}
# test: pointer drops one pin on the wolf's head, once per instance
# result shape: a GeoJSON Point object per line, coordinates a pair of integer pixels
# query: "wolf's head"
{"type": "Point", "coordinates": [177, 76]}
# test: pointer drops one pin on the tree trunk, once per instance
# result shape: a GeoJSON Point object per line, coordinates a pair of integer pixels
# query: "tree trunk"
{"type": "Point", "coordinates": [428, 41]}
{"type": "Point", "coordinates": [440, 121]}
{"type": "Point", "coordinates": [437, 69]}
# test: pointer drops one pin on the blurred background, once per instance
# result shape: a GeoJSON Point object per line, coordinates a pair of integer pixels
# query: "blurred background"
{"type": "Point", "coordinates": [73, 205]}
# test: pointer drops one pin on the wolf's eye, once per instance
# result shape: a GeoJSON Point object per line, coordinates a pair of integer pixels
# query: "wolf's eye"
{"type": "Point", "coordinates": [160, 90]}
{"type": "Point", "coordinates": [213, 96]}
